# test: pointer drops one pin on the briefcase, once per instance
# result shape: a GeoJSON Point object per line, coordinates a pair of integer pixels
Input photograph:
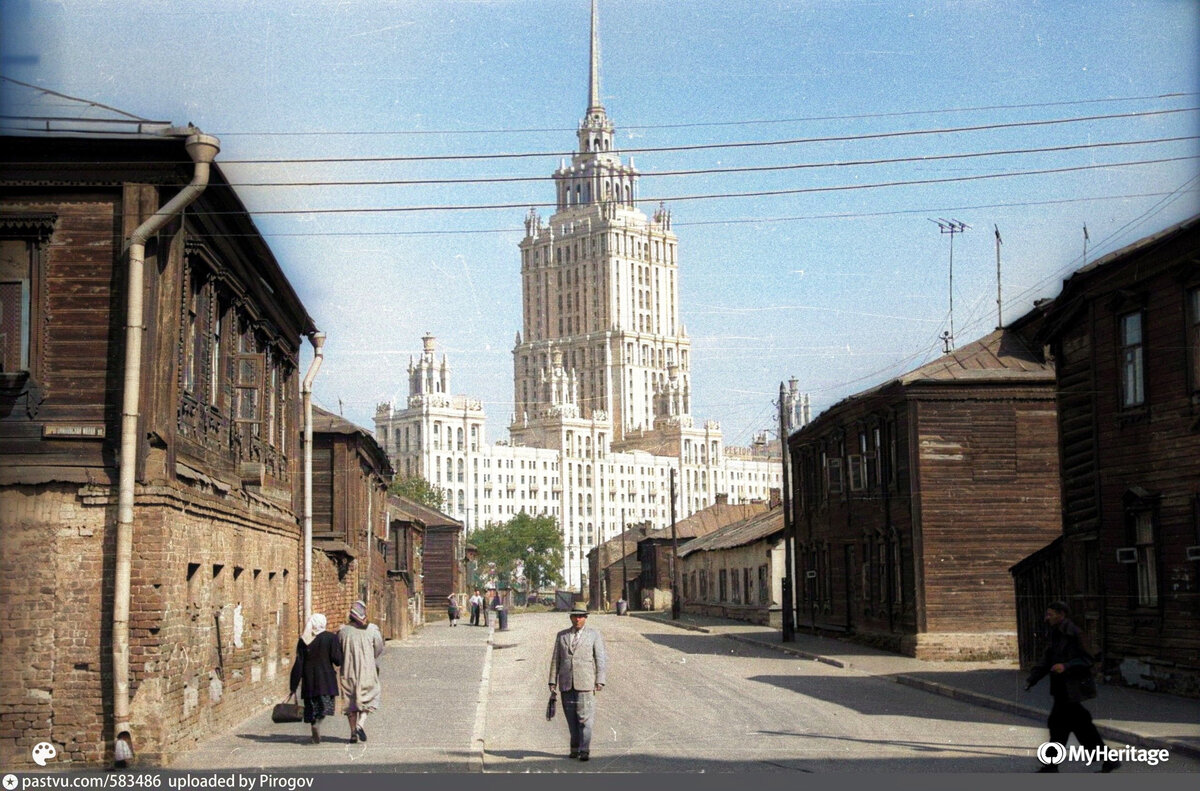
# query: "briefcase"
{"type": "Point", "coordinates": [288, 711]}
{"type": "Point", "coordinates": [552, 705]}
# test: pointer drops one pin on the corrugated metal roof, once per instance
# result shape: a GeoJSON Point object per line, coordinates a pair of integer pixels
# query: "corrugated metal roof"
{"type": "Point", "coordinates": [1001, 355]}
{"type": "Point", "coordinates": [738, 534]}
{"type": "Point", "coordinates": [1145, 241]}
{"type": "Point", "coordinates": [709, 519]}
{"type": "Point", "coordinates": [325, 422]}
{"type": "Point", "coordinates": [609, 552]}
{"type": "Point", "coordinates": [427, 516]}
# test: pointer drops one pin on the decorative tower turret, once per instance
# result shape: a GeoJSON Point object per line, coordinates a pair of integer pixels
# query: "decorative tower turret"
{"type": "Point", "coordinates": [426, 377]}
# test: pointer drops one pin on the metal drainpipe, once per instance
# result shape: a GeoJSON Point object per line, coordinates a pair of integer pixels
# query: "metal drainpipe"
{"type": "Point", "coordinates": [202, 149]}
{"type": "Point", "coordinates": [318, 342]}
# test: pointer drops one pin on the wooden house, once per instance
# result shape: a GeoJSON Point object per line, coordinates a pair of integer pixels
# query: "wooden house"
{"type": "Point", "coordinates": [913, 499]}
{"type": "Point", "coordinates": [1125, 336]}
{"type": "Point", "coordinates": [350, 529]}
{"type": "Point", "coordinates": [405, 599]}
{"type": "Point", "coordinates": [656, 551]}
{"type": "Point", "coordinates": [612, 565]}
{"type": "Point", "coordinates": [444, 559]}
{"type": "Point", "coordinates": [736, 571]}
{"type": "Point", "coordinates": [149, 449]}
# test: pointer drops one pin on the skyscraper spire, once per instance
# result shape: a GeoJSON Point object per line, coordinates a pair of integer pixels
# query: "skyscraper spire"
{"type": "Point", "coordinates": [595, 130]}
{"type": "Point", "coordinates": [594, 79]}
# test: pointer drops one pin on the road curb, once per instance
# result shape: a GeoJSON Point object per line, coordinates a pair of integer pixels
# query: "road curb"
{"type": "Point", "coordinates": [789, 650]}
{"type": "Point", "coordinates": [1109, 732]}
{"type": "Point", "coordinates": [475, 762]}
{"type": "Point", "coordinates": [676, 624]}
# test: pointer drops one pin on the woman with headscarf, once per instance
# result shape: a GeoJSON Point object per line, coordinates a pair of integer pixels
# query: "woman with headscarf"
{"type": "Point", "coordinates": [362, 645]}
{"type": "Point", "coordinates": [317, 651]}
{"type": "Point", "coordinates": [452, 609]}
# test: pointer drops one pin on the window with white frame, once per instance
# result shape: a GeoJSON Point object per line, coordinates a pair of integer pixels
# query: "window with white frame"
{"type": "Point", "coordinates": [1146, 569]}
{"type": "Point", "coordinates": [1133, 375]}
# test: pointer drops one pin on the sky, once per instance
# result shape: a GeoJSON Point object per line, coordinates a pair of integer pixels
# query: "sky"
{"type": "Point", "coordinates": [870, 119]}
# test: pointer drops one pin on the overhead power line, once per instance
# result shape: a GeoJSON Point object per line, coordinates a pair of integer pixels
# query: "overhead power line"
{"type": "Point", "coordinates": [729, 195]}
{"type": "Point", "coordinates": [516, 229]}
{"type": "Point", "coordinates": [736, 144]}
{"type": "Point", "coordinates": [709, 146]}
{"type": "Point", "coordinates": [710, 124]}
{"type": "Point", "coordinates": [87, 102]}
{"type": "Point", "coordinates": [714, 171]}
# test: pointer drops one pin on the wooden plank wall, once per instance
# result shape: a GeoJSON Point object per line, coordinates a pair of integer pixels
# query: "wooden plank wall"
{"type": "Point", "coordinates": [988, 499]}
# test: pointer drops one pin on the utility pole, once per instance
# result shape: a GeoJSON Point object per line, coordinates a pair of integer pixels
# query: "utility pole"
{"type": "Point", "coordinates": [789, 528]}
{"type": "Point", "coordinates": [624, 571]}
{"type": "Point", "coordinates": [999, 308]}
{"type": "Point", "coordinates": [674, 556]}
{"type": "Point", "coordinates": [951, 227]}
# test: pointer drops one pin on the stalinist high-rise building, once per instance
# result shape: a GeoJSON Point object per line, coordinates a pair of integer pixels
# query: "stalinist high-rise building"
{"type": "Point", "coordinates": [602, 383]}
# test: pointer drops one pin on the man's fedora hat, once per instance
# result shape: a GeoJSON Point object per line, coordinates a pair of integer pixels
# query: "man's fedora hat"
{"type": "Point", "coordinates": [579, 611]}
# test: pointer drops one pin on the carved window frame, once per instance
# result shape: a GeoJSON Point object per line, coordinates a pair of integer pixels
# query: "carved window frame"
{"type": "Point", "coordinates": [35, 229]}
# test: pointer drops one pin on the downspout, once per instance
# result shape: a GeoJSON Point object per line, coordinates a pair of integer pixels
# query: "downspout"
{"type": "Point", "coordinates": [318, 342]}
{"type": "Point", "coordinates": [202, 149]}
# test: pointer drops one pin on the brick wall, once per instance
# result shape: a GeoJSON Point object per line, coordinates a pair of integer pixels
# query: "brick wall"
{"type": "Point", "coordinates": [212, 619]}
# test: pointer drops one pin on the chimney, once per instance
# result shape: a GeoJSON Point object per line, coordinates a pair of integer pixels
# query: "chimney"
{"type": "Point", "coordinates": [776, 498]}
{"type": "Point", "coordinates": [722, 499]}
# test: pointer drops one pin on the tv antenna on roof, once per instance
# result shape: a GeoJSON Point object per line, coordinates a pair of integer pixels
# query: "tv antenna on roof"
{"type": "Point", "coordinates": [951, 227]}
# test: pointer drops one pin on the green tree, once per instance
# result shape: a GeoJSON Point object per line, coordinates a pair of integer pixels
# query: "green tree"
{"type": "Point", "coordinates": [417, 489]}
{"type": "Point", "coordinates": [534, 540]}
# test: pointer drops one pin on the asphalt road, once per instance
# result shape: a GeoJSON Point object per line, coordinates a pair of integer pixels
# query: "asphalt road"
{"type": "Point", "coordinates": [676, 701]}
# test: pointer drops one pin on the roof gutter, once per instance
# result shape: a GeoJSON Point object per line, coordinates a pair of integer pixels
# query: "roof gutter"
{"type": "Point", "coordinates": [202, 149]}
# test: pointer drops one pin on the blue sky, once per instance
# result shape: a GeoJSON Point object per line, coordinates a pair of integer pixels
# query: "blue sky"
{"type": "Point", "coordinates": [842, 288]}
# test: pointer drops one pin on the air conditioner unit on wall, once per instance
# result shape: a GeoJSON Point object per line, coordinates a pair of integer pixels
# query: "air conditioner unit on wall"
{"type": "Point", "coordinates": [1193, 553]}
{"type": "Point", "coordinates": [1127, 555]}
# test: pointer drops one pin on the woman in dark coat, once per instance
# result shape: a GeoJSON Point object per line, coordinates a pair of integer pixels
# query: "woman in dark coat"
{"type": "Point", "coordinates": [317, 652]}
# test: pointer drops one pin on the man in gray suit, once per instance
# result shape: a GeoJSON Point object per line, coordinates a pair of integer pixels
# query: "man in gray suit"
{"type": "Point", "coordinates": [577, 670]}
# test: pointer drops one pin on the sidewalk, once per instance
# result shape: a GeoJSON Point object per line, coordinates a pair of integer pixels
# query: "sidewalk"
{"type": "Point", "coordinates": [427, 721]}
{"type": "Point", "coordinates": [1123, 715]}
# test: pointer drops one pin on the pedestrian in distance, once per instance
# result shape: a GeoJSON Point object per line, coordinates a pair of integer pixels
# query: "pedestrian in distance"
{"type": "Point", "coordinates": [317, 652]}
{"type": "Point", "coordinates": [578, 668]}
{"type": "Point", "coordinates": [476, 603]}
{"type": "Point", "coordinates": [493, 610]}
{"type": "Point", "coordinates": [452, 609]}
{"type": "Point", "coordinates": [362, 645]}
{"type": "Point", "coordinates": [1069, 666]}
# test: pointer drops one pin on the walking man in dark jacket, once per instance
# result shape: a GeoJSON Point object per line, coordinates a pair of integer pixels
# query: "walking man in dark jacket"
{"type": "Point", "coordinates": [1069, 666]}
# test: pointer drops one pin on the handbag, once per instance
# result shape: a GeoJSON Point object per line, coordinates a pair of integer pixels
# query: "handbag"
{"type": "Point", "coordinates": [1087, 686]}
{"type": "Point", "coordinates": [552, 705]}
{"type": "Point", "coordinates": [288, 711]}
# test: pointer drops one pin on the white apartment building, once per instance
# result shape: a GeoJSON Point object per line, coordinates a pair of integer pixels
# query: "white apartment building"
{"type": "Point", "coordinates": [601, 378]}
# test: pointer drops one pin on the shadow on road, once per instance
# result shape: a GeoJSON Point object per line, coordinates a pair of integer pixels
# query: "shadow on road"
{"type": "Point", "coordinates": [873, 697]}
{"type": "Point", "coordinates": [991, 751]}
{"type": "Point", "coordinates": [291, 738]}
{"type": "Point", "coordinates": [698, 643]}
